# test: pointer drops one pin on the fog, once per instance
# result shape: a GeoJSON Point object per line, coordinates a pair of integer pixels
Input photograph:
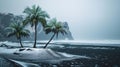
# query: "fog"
{"type": "Point", "coordinates": [87, 19]}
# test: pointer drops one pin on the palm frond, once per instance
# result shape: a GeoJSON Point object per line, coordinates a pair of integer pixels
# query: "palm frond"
{"type": "Point", "coordinates": [55, 27]}
{"type": "Point", "coordinates": [17, 29]}
{"type": "Point", "coordinates": [10, 28]}
{"type": "Point", "coordinates": [27, 11]}
{"type": "Point", "coordinates": [35, 15]}
{"type": "Point", "coordinates": [26, 21]}
{"type": "Point", "coordinates": [43, 14]}
{"type": "Point", "coordinates": [43, 21]}
{"type": "Point", "coordinates": [9, 34]}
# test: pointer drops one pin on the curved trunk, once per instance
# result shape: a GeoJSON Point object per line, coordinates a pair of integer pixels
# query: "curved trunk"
{"type": "Point", "coordinates": [20, 42]}
{"type": "Point", "coordinates": [49, 40]}
{"type": "Point", "coordinates": [34, 46]}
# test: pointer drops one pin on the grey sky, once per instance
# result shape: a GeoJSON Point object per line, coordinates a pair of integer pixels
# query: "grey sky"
{"type": "Point", "coordinates": [88, 19]}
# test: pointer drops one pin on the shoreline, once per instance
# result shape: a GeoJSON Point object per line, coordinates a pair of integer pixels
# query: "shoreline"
{"type": "Point", "coordinates": [99, 57]}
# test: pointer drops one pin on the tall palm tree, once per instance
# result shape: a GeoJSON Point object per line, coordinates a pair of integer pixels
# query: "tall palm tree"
{"type": "Point", "coordinates": [35, 15]}
{"type": "Point", "coordinates": [18, 30]}
{"type": "Point", "coordinates": [55, 27]}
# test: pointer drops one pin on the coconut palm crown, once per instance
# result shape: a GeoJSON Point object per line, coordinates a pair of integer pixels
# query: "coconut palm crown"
{"type": "Point", "coordinates": [35, 15]}
{"type": "Point", "coordinates": [18, 30]}
{"type": "Point", "coordinates": [54, 27]}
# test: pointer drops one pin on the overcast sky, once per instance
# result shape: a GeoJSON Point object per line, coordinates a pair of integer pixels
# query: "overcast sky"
{"type": "Point", "coordinates": [88, 19]}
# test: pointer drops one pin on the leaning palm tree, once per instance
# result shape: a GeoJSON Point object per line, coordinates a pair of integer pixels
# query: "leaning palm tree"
{"type": "Point", "coordinates": [18, 30]}
{"type": "Point", "coordinates": [55, 27]}
{"type": "Point", "coordinates": [35, 15]}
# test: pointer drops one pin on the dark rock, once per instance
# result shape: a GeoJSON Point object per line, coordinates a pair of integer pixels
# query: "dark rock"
{"type": "Point", "coordinates": [29, 49]}
{"type": "Point", "coordinates": [16, 53]}
{"type": "Point", "coordinates": [22, 49]}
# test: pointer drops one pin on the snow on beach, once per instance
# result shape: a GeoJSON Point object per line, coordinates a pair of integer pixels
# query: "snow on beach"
{"type": "Point", "coordinates": [36, 55]}
{"type": "Point", "coordinates": [28, 56]}
{"type": "Point", "coordinates": [46, 55]}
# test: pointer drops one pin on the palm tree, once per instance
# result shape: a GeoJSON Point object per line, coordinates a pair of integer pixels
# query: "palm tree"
{"type": "Point", "coordinates": [35, 15]}
{"type": "Point", "coordinates": [55, 27]}
{"type": "Point", "coordinates": [18, 30]}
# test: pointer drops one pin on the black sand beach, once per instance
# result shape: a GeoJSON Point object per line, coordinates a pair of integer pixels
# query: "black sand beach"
{"type": "Point", "coordinates": [100, 56]}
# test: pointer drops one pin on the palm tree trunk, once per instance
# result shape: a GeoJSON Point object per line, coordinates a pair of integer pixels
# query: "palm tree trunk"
{"type": "Point", "coordinates": [49, 40]}
{"type": "Point", "coordinates": [20, 42]}
{"type": "Point", "coordinates": [34, 46]}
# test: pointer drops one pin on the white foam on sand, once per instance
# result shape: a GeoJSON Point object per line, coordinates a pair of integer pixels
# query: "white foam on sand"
{"type": "Point", "coordinates": [24, 64]}
{"type": "Point", "coordinates": [37, 55]}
